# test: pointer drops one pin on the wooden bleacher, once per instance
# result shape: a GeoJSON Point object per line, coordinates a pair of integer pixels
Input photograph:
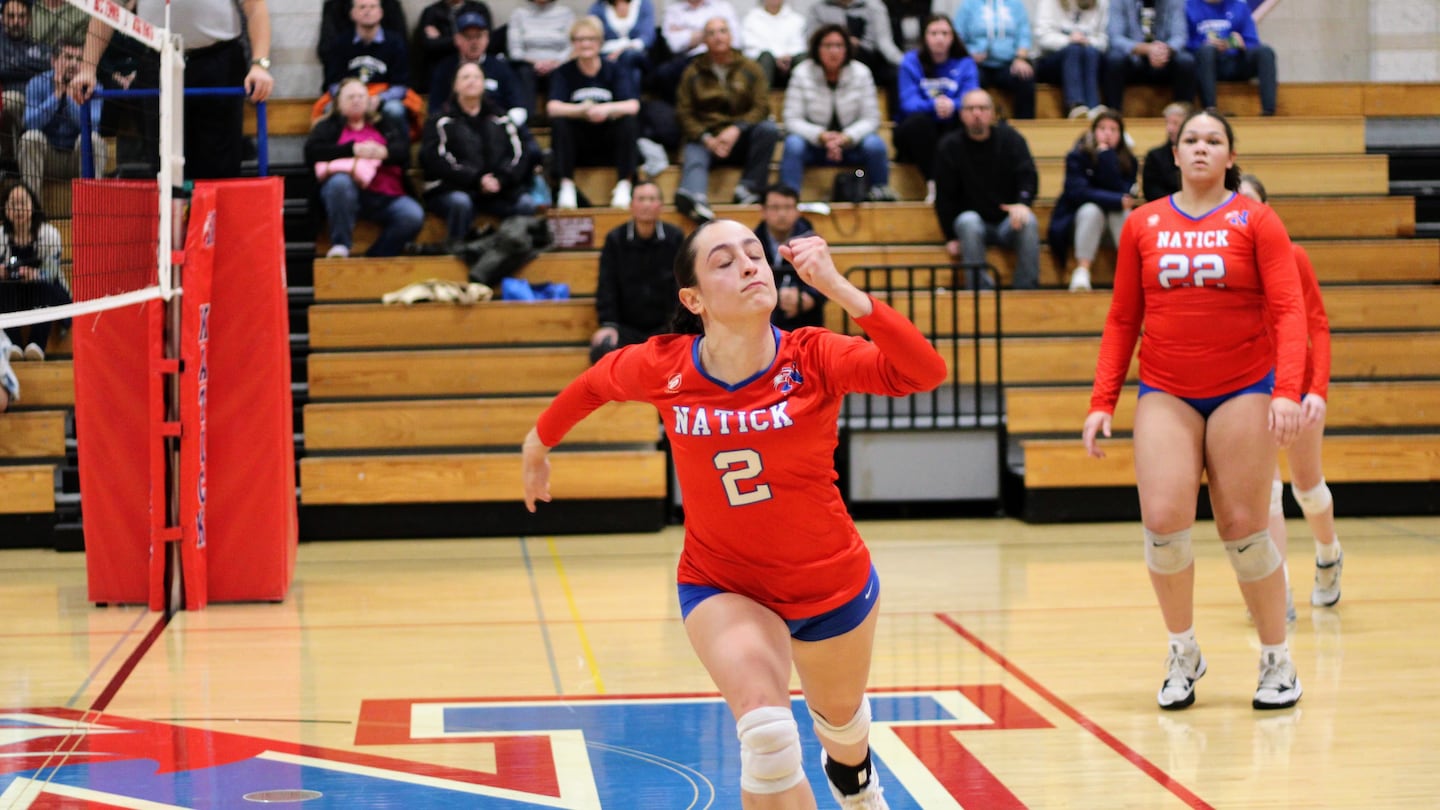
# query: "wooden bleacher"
{"type": "Point", "coordinates": [427, 403]}
{"type": "Point", "coordinates": [29, 489]}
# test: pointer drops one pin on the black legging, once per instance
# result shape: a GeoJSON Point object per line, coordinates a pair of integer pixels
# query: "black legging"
{"type": "Point", "coordinates": [19, 296]}
{"type": "Point", "coordinates": [916, 137]}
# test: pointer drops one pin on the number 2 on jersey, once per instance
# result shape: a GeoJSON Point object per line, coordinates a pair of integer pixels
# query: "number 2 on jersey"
{"type": "Point", "coordinates": [742, 466]}
{"type": "Point", "coordinates": [1179, 270]}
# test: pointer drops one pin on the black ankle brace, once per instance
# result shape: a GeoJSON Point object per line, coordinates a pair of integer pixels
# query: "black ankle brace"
{"type": "Point", "coordinates": [849, 779]}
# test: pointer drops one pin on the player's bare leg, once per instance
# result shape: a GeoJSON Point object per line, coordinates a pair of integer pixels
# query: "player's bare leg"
{"type": "Point", "coordinates": [746, 649]}
{"type": "Point", "coordinates": [833, 675]}
{"type": "Point", "coordinates": [1169, 453]}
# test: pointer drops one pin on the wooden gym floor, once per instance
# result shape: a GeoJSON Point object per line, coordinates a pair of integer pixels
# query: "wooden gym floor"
{"type": "Point", "coordinates": [1016, 666]}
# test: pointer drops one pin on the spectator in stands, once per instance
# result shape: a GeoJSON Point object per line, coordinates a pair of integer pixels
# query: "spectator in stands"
{"type": "Point", "coordinates": [933, 79]}
{"type": "Point", "coordinates": [1099, 193]}
{"type": "Point", "coordinates": [56, 21]}
{"type": "Point", "coordinates": [360, 159]}
{"type": "Point", "coordinates": [50, 146]}
{"type": "Point", "coordinates": [683, 32]}
{"type": "Point", "coordinates": [434, 40]}
{"type": "Point", "coordinates": [1148, 46]}
{"type": "Point", "coordinates": [378, 60]}
{"type": "Point", "coordinates": [985, 183]}
{"type": "Point", "coordinates": [336, 25]}
{"type": "Point", "coordinates": [31, 257]}
{"type": "Point", "coordinates": [539, 42]}
{"type": "Point", "coordinates": [629, 34]}
{"type": "Point", "coordinates": [797, 304]}
{"type": "Point", "coordinates": [636, 290]}
{"type": "Point", "coordinates": [215, 35]}
{"type": "Point", "coordinates": [775, 39]}
{"type": "Point", "coordinates": [21, 59]}
{"type": "Point", "coordinates": [9, 383]}
{"type": "Point", "coordinates": [724, 114]}
{"type": "Point", "coordinates": [907, 22]}
{"type": "Point", "coordinates": [475, 158]}
{"type": "Point", "coordinates": [997, 35]}
{"type": "Point", "coordinates": [472, 44]}
{"type": "Point", "coordinates": [832, 115]}
{"type": "Point", "coordinates": [1227, 48]}
{"type": "Point", "coordinates": [592, 109]}
{"type": "Point", "coordinates": [1161, 175]}
{"type": "Point", "coordinates": [868, 23]}
{"type": "Point", "coordinates": [1072, 38]}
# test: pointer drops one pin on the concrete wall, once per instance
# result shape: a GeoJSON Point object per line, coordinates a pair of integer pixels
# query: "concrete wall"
{"type": "Point", "coordinates": [1316, 40]}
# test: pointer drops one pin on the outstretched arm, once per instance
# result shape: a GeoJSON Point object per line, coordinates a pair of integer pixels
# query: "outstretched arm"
{"type": "Point", "coordinates": [535, 469]}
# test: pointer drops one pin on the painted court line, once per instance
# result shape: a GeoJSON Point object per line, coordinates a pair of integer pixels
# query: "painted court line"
{"type": "Point", "coordinates": [1134, 757]}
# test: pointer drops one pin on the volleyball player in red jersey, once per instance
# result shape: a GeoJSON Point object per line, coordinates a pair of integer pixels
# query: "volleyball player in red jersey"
{"type": "Point", "coordinates": [1307, 479]}
{"type": "Point", "coordinates": [1200, 269]}
{"type": "Point", "coordinates": [773, 572]}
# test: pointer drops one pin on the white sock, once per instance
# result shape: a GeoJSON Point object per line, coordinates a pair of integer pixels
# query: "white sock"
{"type": "Point", "coordinates": [1327, 552]}
{"type": "Point", "coordinates": [1281, 650]}
{"type": "Point", "coordinates": [1186, 639]}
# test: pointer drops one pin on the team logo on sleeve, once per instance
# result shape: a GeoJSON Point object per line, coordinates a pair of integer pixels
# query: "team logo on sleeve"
{"type": "Point", "coordinates": [674, 383]}
{"type": "Point", "coordinates": [788, 379]}
{"type": "Point", "coordinates": [1153, 220]}
{"type": "Point", "coordinates": [1239, 218]}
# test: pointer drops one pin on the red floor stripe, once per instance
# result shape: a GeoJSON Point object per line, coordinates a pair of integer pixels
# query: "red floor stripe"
{"type": "Point", "coordinates": [1146, 766]}
{"type": "Point", "coordinates": [118, 680]}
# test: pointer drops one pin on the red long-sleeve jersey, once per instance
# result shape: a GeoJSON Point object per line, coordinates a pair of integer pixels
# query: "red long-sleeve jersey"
{"type": "Point", "coordinates": [1202, 287]}
{"type": "Point", "coordinates": [755, 460]}
{"type": "Point", "coordinates": [1317, 327]}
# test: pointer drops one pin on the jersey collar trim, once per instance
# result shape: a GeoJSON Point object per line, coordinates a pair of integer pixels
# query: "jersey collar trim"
{"type": "Point", "coordinates": [1177, 210]}
{"type": "Point", "coordinates": [695, 359]}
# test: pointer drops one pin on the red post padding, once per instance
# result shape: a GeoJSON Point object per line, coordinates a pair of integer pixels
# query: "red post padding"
{"type": "Point", "coordinates": [251, 525]}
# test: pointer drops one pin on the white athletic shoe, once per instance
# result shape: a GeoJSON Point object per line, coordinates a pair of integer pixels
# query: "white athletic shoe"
{"type": "Point", "coordinates": [34, 352]}
{"type": "Point", "coordinates": [1182, 669]}
{"type": "Point", "coordinates": [869, 798]}
{"type": "Point", "coordinates": [566, 200]}
{"type": "Point", "coordinates": [929, 192]}
{"type": "Point", "coordinates": [620, 195]}
{"type": "Point", "coordinates": [337, 252]}
{"type": "Point", "coordinates": [1327, 582]}
{"type": "Point", "coordinates": [1080, 280]}
{"type": "Point", "coordinates": [1279, 685]}
{"type": "Point", "coordinates": [14, 352]}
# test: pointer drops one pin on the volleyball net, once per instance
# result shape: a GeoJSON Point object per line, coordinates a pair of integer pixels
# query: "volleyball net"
{"type": "Point", "coordinates": [75, 245]}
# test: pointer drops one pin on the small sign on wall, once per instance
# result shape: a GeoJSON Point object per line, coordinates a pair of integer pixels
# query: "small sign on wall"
{"type": "Point", "coordinates": [572, 232]}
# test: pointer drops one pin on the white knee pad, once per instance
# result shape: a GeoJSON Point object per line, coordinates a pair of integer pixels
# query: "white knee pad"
{"type": "Point", "coordinates": [1168, 553]}
{"type": "Point", "coordinates": [853, 732]}
{"type": "Point", "coordinates": [770, 758]}
{"type": "Point", "coordinates": [1254, 557]}
{"type": "Point", "coordinates": [1312, 501]}
{"type": "Point", "coordinates": [1277, 497]}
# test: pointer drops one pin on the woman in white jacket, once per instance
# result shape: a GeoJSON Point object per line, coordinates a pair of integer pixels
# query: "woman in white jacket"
{"type": "Point", "coordinates": [1072, 39]}
{"type": "Point", "coordinates": [832, 114]}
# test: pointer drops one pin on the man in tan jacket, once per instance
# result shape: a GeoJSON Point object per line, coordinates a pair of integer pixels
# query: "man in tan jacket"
{"type": "Point", "coordinates": [723, 106]}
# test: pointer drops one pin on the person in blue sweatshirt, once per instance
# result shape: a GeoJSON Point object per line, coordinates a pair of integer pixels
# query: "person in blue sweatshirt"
{"type": "Point", "coordinates": [933, 78]}
{"type": "Point", "coordinates": [1227, 48]}
{"type": "Point", "coordinates": [997, 35]}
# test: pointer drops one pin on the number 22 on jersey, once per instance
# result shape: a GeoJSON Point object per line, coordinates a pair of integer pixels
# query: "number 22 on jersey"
{"type": "Point", "coordinates": [1179, 270]}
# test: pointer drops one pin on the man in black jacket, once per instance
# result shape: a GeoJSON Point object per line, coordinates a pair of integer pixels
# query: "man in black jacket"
{"type": "Point", "coordinates": [797, 304]}
{"type": "Point", "coordinates": [475, 159]}
{"type": "Point", "coordinates": [985, 184]}
{"type": "Point", "coordinates": [636, 293]}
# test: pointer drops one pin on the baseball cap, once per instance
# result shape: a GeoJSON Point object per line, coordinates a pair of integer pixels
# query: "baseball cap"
{"type": "Point", "coordinates": [471, 19]}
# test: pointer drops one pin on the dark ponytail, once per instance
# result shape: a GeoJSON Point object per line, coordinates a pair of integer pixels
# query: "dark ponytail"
{"type": "Point", "coordinates": [683, 321]}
